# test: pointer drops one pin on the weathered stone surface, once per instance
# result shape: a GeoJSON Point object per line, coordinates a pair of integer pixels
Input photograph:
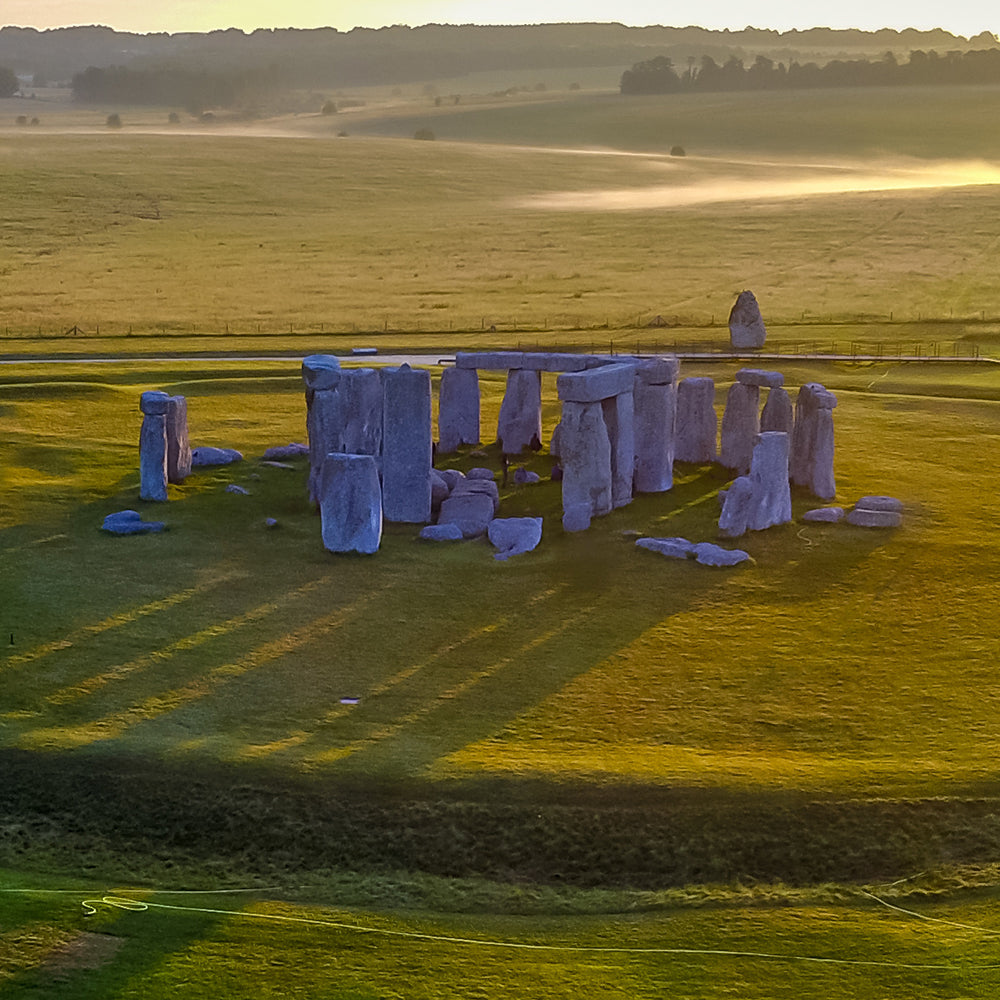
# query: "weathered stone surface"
{"type": "Point", "coordinates": [778, 414]}
{"type": "Point", "coordinates": [178, 443]}
{"type": "Point", "coordinates": [596, 384]}
{"type": "Point", "coordinates": [480, 472]}
{"type": "Point", "coordinates": [283, 452]}
{"type": "Point", "coordinates": [525, 477]}
{"type": "Point", "coordinates": [824, 515]}
{"type": "Point", "coordinates": [619, 418]}
{"type": "Point", "coordinates": [655, 419]}
{"type": "Point", "coordinates": [880, 503]}
{"type": "Point", "coordinates": [479, 487]}
{"type": "Point", "coordinates": [520, 422]}
{"type": "Point", "coordinates": [325, 425]}
{"type": "Point", "coordinates": [471, 512]}
{"type": "Point", "coordinates": [321, 372]}
{"type": "Point", "coordinates": [740, 426]}
{"type": "Point", "coordinates": [658, 371]}
{"type": "Point", "coordinates": [737, 508]}
{"type": "Point", "coordinates": [554, 362]}
{"type": "Point", "coordinates": [746, 327]}
{"type": "Point", "coordinates": [207, 456]}
{"type": "Point", "coordinates": [451, 476]}
{"type": "Point", "coordinates": [458, 409]}
{"type": "Point", "coordinates": [361, 412]}
{"type": "Point", "coordinates": [862, 518]}
{"type": "Point", "coordinates": [585, 451]}
{"type": "Point", "coordinates": [153, 457]}
{"type": "Point", "coordinates": [714, 555]}
{"type": "Point", "coordinates": [554, 442]}
{"type": "Point", "coordinates": [760, 378]}
{"type": "Point", "coordinates": [696, 425]}
{"type": "Point", "coordinates": [130, 522]}
{"type": "Point", "coordinates": [675, 548]}
{"type": "Point", "coordinates": [491, 361]}
{"type": "Point", "coordinates": [811, 460]}
{"type": "Point", "coordinates": [350, 504]}
{"type": "Point", "coordinates": [406, 444]}
{"type": "Point", "coordinates": [772, 498]}
{"type": "Point", "coordinates": [513, 536]}
{"type": "Point", "coordinates": [439, 489]}
{"type": "Point", "coordinates": [441, 533]}
{"type": "Point", "coordinates": [154, 403]}
{"type": "Point", "coordinates": [238, 490]}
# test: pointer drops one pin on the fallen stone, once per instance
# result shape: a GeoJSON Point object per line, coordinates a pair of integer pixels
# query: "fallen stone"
{"type": "Point", "coordinates": [879, 503]}
{"type": "Point", "coordinates": [480, 472]}
{"type": "Point", "coordinates": [350, 504]}
{"type": "Point", "coordinates": [439, 489]}
{"type": "Point", "coordinates": [520, 423]}
{"type": "Point", "coordinates": [714, 555]}
{"type": "Point", "coordinates": [207, 455]}
{"type": "Point", "coordinates": [321, 372]}
{"type": "Point", "coordinates": [442, 533]}
{"type": "Point", "coordinates": [760, 377]}
{"type": "Point", "coordinates": [283, 452]}
{"type": "Point", "coordinates": [746, 327]}
{"type": "Point", "coordinates": [863, 518]}
{"type": "Point", "coordinates": [479, 487]}
{"type": "Point", "coordinates": [270, 522]}
{"type": "Point", "coordinates": [675, 548]}
{"type": "Point", "coordinates": [130, 522]}
{"type": "Point", "coordinates": [557, 473]}
{"type": "Point", "coordinates": [458, 409]}
{"type": "Point", "coordinates": [451, 476]}
{"type": "Point", "coordinates": [513, 536]}
{"type": "Point", "coordinates": [238, 490]}
{"type": "Point", "coordinates": [696, 426]}
{"type": "Point", "coordinates": [523, 476]}
{"type": "Point", "coordinates": [824, 515]}
{"type": "Point", "coordinates": [471, 512]}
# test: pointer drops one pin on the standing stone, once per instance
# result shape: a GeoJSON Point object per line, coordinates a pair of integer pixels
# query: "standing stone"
{"type": "Point", "coordinates": [458, 409]}
{"type": "Point", "coordinates": [777, 414]}
{"type": "Point", "coordinates": [746, 327]}
{"type": "Point", "coordinates": [407, 445]}
{"type": "Point", "coordinates": [520, 423]}
{"type": "Point", "coordinates": [350, 503]}
{"type": "Point", "coordinates": [619, 418]}
{"type": "Point", "coordinates": [153, 446]}
{"type": "Point", "coordinates": [737, 508]}
{"type": "Point", "coordinates": [811, 459]}
{"type": "Point", "coordinates": [585, 453]}
{"type": "Point", "coordinates": [697, 425]}
{"type": "Point", "coordinates": [361, 394]}
{"type": "Point", "coordinates": [655, 419]}
{"type": "Point", "coordinates": [772, 497]}
{"type": "Point", "coordinates": [325, 425]}
{"type": "Point", "coordinates": [740, 426]}
{"type": "Point", "coordinates": [178, 443]}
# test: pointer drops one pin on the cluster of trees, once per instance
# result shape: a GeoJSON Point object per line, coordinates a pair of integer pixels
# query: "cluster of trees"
{"type": "Point", "coordinates": [660, 76]}
{"type": "Point", "coordinates": [189, 89]}
{"type": "Point", "coordinates": [9, 84]}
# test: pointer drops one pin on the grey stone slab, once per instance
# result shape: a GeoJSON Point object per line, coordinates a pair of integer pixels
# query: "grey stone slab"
{"type": "Point", "coordinates": [619, 418]}
{"type": "Point", "coordinates": [407, 448]}
{"type": "Point", "coordinates": [746, 326]}
{"type": "Point", "coordinates": [439, 489]}
{"type": "Point", "coordinates": [760, 377]}
{"type": "Point", "coordinates": [824, 515]}
{"type": "Point", "coordinates": [740, 427]}
{"type": "Point", "coordinates": [451, 476]}
{"type": "Point", "coordinates": [153, 456]}
{"type": "Point", "coordinates": [674, 548]}
{"type": "Point", "coordinates": [554, 441]}
{"type": "Point", "coordinates": [206, 455]}
{"type": "Point", "coordinates": [737, 508]}
{"type": "Point", "coordinates": [154, 403]}
{"type": "Point", "coordinates": [178, 442]}
{"type": "Point", "coordinates": [325, 425]}
{"type": "Point", "coordinates": [823, 484]}
{"type": "Point", "coordinates": [321, 372]}
{"type": "Point", "coordinates": [283, 452]}
{"type": "Point", "coordinates": [495, 361]}
{"type": "Point", "coordinates": [441, 533]}
{"type": "Point", "coordinates": [513, 536]}
{"type": "Point", "coordinates": [696, 426]}
{"type": "Point", "coordinates": [655, 420]}
{"type": "Point", "coordinates": [480, 487]}
{"type": "Point", "coordinates": [596, 384]}
{"type": "Point", "coordinates": [480, 472]}
{"type": "Point", "coordinates": [525, 477]}
{"type": "Point", "coordinates": [875, 518]}
{"type": "Point", "coordinates": [714, 555]}
{"type": "Point", "coordinates": [458, 409]}
{"type": "Point", "coordinates": [350, 504]}
{"type": "Point", "coordinates": [471, 512]}
{"type": "Point", "coordinates": [879, 503]}
{"type": "Point", "coordinates": [772, 498]}
{"type": "Point", "coordinates": [520, 423]}
{"type": "Point", "coordinates": [778, 413]}
{"type": "Point", "coordinates": [658, 371]}
{"type": "Point", "coordinates": [554, 362]}
{"type": "Point", "coordinates": [361, 408]}
{"type": "Point", "coordinates": [130, 522]}
{"type": "Point", "coordinates": [585, 453]}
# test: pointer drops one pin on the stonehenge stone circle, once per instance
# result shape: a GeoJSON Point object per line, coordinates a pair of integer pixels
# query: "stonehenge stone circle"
{"type": "Point", "coordinates": [350, 504]}
{"type": "Point", "coordinates": [746, 327]}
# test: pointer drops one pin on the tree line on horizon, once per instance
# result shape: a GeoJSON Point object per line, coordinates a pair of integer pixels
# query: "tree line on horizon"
{"type": "Point", "coordinates": [660, 76]}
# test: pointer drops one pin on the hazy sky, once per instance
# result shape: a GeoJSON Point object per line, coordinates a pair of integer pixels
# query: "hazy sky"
{"type": "Point", "coordinates": [965, 17]}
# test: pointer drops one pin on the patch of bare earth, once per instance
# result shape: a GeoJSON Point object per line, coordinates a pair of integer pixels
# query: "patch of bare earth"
{"type": "Point", "coordinates": [83, 953]}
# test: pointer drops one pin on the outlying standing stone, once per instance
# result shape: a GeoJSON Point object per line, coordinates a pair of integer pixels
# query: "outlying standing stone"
{"type": "Point", "coordinates": [350, 504]}
{"type": "Point", "coordinates": [153, 446]}
{"type": "Point", "coordinates": [746, 327]}
{"type": "Point", "coordinates": [697, 425]}
{"type": "Point", "coordinates": [513, 536]}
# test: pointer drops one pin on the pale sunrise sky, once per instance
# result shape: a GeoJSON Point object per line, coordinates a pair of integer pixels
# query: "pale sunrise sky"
{"type": "Point", "coordinates": [964, 17]}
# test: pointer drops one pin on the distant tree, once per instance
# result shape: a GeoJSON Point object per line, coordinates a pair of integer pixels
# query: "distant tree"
{"type": "Point", "coordinates": [654, 76]}
{"type": "Point", "coordinates": [174, 118]}
{"type": "Point", "coordinates": [677, 151]}
{"type": "Point", "coordinates": [329, 107]}
{"type": "Point", "coordinates": [113, 120]}
{"type": "Point", "coordinates": [35, 121]}
{"type": "Point", "coordinates": [574, 86]}
{"type": "Point", "coordinates": [21, 120]}
{"type": "Point", "coordinates": [424, 133]}
{"type": "Point", "coordinates": [9, 84]}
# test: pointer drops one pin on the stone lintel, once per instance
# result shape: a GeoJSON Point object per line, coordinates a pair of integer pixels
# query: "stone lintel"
{"type": "Point", "coordinates": [760, 377]}
{"type": "Point", "coordinates": [321, 371]}
{"type": "Point", "coordinates": [596, 384]}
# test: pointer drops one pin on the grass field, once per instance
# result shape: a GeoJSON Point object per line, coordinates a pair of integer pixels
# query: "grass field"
{"type": "Point", "coordinates": [588, 746]}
